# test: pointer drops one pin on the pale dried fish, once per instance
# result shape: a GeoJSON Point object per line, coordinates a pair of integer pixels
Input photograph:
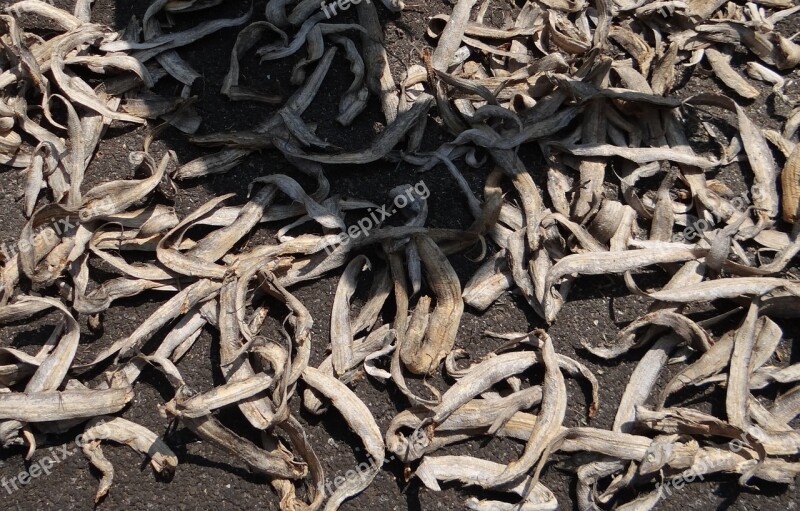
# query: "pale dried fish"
{"type": "Point", "coordinates": [236, 365]}
{"type": "Point", "coordinates": [721, 65]}
{"type": "Point", "coordinates": [641, 155]}
{"type": "Point", "coordinates": [548, 424]}
{"type": "Point", "coordinates": [379, 78]}
{"type": "Point", "coordinates": [65, 405]}
{"type": "Point", "coordinates": [488, 283]}
{"type": "Point", "coordinates": [739, 374]}
{"type": "Point", "coordinates": [279, 463]}
{"type": "Point", "coordinates": [727, 288]}
{"type": "Point", "coordinates": [196, 293]}
{"type": "Point", "coordinates": [341, 328]}
{"type": "Point", "coordinates": [201, 405]}
{"type": "Point", "coordinates": [361, 421]}
{"type": "Point", "coordinates": [137, 437]}
{"type": "Point", "coordinates": [642, 381]}
{"type": "Point", "coordinates": [475, 471]}
{"type": "Point", "coordinates": [790, 183]}
{"type": "Point", "coordinates": [423, 356]}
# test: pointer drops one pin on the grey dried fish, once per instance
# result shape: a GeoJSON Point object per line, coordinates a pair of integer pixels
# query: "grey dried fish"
{"type": "Point", "coordinates": [642, 381]}
{"type": "Point", "coordinates": [639, 155]}
{"type": "Point", "coordinates": [34, 180]}
{"type": "Point", "coordinates": [790, 184]}
{"type": "Point", "coordinates": [182, 302]}
{"type": "Point", "coordinates": [787, 406]}
{"type": "Point", "coordinates": [478, 380]}
{"type": "Point", "coordinates": [634, 44]}
{"type": "Point", "coordinates": [278, 463]}
{"type": "Point", "coordinates": [361, 421]}
{"type": "Point", "coordinates": [200, 405]}
{"type": "Point", "coordinates": [156, 45]}
{"type": "Point", "coordinates": [245, 40]}
{"type": "Point", "coordinates": [445, 318]}
{"type": "Point", "coordinates": [712, 361]}
{"type": "Point", "coordinates": [475, 471]}
{"type": "Point", "coordinates": [720, 63]}
{"type": "Point", "coordinates": [117, 196]}
{"type": "Point", "coordinates": [727, 288]}
{"type": "Point", "coordinates": [341, 328]}
{"type": "Point", "coordinates": [491, 280]}
{"type": "Point", "coordinates": [191, 264]}
{"type": "Point", "coordinates": [613, 262]}
{"type": "Point", "coordinates": [123, 431]}
{"type": "Point", "coordinates": [449, 42]}
{"type": "Point", "coordinates": [236, 365]}
{"type": "Point", "coordinates": [548, 424]}
{"type": "Point", "coordinates": [362, 349]}
{"type": "Point", "coordinates": [739, 374]}
{"type": "Point", "coordinates": [65, 405]}
{"type": "Point", "coordinates": [379, 76]}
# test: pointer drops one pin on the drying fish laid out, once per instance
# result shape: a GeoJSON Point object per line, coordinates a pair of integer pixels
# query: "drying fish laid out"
{"type": "Point", "coordinates": [573, 144]}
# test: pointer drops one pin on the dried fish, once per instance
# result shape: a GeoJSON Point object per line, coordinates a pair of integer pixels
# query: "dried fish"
{"type": "Point", "coordinates": [498, 98]}
{"type": "Point", "coordinates": [65, 405]}
{"type": "Point", "coordinates": [475, 471]}
{"type": "Point", "coordinates": [341, 331]}
{"type": "Point", "coordinates": [488, 283]}
{"type": "Point", "coordinates": [423, 356]}
{"type": "Point", "coordinates": [790, 183]}
{"type": "Point", "coordinates": [548, 423]}
{"type": "Point", "coordinates": [137, 437]}
{"type": "Point", "coordinates": [274, 464]}
{"type": "Point", "coordinates": [720, 63]}
{"type": "Point", "coordinates": [379, 76]}
{"type": "Point", "coordinates": [642, 381]}
{"type": "Point", "coordinates": [360, 419]}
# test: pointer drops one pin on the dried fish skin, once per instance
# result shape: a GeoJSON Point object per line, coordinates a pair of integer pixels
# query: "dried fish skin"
{"type": "Point", "coordinates": [475, 471]}
{"type": "Point", "coordinates": [790, 183]}
{"type": "Point", "coordinates": [341, 328]}
{"type": "Point", "coordinates": [139, 438]}
{"type": "Point", "coordinates": [446, 316]}
{"type": "Point", "coordinates": [720, 63]}
{"type": "Point", "coordinates": [489, 283]}
{"type": "Point", "coordinates": [50, 406]}
{"type": "Point", "coordinates": [279, 464]}
{"type": "Point", "coordinates": [361, 421]}
{"type": "Point", "coordinates": [548, 423]}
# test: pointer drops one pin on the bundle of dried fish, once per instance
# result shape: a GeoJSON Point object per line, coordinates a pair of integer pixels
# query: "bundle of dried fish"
{"type": "Point", "coordinates": [591, 89]}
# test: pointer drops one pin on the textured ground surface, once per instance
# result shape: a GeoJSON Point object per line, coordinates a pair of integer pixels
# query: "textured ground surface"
{"type": "Point", "coordinates": [208, 478]}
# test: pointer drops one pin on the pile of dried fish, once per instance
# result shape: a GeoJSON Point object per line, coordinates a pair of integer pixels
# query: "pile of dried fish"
{"type": "Point", "coordinates": [594, 88]}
